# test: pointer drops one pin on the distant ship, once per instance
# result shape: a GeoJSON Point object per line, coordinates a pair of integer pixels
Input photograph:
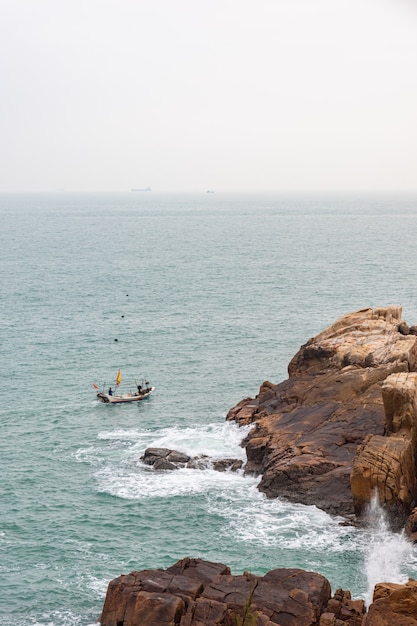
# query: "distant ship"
{"type": "Point", "coordinates": [144, 189]}
{"type": "Point", "coordinates": [210, 191]}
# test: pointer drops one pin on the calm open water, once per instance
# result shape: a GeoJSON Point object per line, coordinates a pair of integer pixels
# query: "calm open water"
{"type": "Point", "coordinates": [207, 295]}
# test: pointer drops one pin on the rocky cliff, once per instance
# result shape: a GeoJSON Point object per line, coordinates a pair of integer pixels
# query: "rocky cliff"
{"type": "Point", "coordinates": [344, 423]}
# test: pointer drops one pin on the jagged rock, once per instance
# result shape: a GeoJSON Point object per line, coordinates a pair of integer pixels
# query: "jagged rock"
{"type": "Point", "coordinates": [153, 455]}
{"type": "Point", "coordinates": [227, 464]}
{"type": "Point", "coordinates": [244, 411]}
{"type": "Point", "coordinates": [307, 429]}
{"type": "Point", "coordinates": [194, 592]}
{"type": "Point", "coordinates": [202, 461]}
{"type": "Point", "coordinates": [393, 605]}
{"type": "Point", "coordinates": [388, 464]}
{"type": "Point", "coordinates": [166, 459]}
{"type": "Point", "coordinates": [341, 609]}
{"type": "Point", "coordinates": [411, 526]}
{"type": "Point", "coordinates": [178, 457]}
{"type": "Point", "coordinates": [164, 464]}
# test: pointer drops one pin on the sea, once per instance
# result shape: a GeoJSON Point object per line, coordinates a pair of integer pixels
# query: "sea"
{"type": "Point", "coordinates": [204, 295]}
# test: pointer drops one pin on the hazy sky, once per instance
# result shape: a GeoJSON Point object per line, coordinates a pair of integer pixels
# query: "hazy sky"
{"type": "Point", "coordinates": [190, 95]}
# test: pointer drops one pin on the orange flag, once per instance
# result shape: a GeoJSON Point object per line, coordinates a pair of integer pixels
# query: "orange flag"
{"type": "Point", "coordinates": [119, 378]}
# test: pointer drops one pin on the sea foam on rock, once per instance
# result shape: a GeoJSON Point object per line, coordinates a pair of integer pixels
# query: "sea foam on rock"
{"type": "Point", "coordinates": [167, 459]}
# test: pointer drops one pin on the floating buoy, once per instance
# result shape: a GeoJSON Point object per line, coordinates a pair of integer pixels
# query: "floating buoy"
{"type": "Point", "coordinates": [122, 315]}
{"type": "Point", "coordinates": [116, 340]}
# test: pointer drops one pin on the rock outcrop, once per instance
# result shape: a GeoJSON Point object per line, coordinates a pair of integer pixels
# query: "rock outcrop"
{"type": "Point", "coordinates": [194, 592]}
{"type": "Point", "coordinates": [167, 459]}
{"type": "Point", "coordinates": [344, 423]}
{"type": "Point", "coordinates": [393, 605]}
{"type": "Point", "coordinates": [388, 464]}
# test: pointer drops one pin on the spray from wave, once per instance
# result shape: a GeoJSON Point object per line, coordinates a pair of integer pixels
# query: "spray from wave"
{"type": "Point", "coordinates": [387, 553]}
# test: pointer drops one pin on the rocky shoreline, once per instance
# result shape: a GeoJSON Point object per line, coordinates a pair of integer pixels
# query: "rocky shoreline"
{"type": "Point", "coordinates": [194, 592]}
{"type": "Point", "coordinates": [344, 423]}
{"type": "Point", "coordinates": [341, 428]}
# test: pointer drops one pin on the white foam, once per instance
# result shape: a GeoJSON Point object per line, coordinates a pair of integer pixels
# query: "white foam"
{"type": "Point", "coordinates": [127, 477]}
{"type": "Point", "coordinates": [217, 440]}
{"type": "Point", "coordinates": [145, 482]}
{"type": "Point", "coordinates": [120, 434]}
{"type": "Point", "coordinates": [86, 455]}
{"type": "Point", "coordinates": [254, 518]}
{"type": "Point", "coordinates": [387, 554]}
{"type": "Point", "coordinates": [98, 586]}
{"type": "Point", "coordinates": [50, 618]}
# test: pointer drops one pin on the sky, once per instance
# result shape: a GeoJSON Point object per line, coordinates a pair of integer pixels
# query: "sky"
{"type": "Point", "coordinates": [191, 95]}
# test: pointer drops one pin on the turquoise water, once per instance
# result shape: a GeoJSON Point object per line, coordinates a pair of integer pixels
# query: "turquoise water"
{"type": "Point", "coordinates": [207, 295]}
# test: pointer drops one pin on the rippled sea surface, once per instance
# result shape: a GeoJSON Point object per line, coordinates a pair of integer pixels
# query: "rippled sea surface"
{"type": "Point", "coordinates": [207, 296]}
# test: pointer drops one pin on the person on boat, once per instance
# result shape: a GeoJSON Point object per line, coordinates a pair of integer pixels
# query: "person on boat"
{"type": "Point", "coordinates": [139, 389]}
{"type": "Point", "coordinates": [110, 392]}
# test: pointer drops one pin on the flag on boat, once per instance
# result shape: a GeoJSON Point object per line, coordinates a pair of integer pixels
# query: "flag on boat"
{"type": "Point", "coordinates": [95, 386]}
{"type": "Point", "coordinates": [119, 378]}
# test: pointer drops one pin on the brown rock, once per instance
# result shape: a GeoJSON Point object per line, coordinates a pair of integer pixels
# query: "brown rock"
{"type": "Point", "coordinates": [308, 428]}
{"type": "Point", "coordinates": [202, 612]}
{"type": "Point", "coordinates": [196, 593]}
{"type": "Point", "coordinates": [411, 526]}
{"type": "Point", "coordinates": [403, 328]}
{"type": "Point", "coordinates": [393, 605]}
{"type": "Point", "coordinates": [399, 393]}
{"type": "Point", "coordinates": [222, 465]}
{"type": "Point", "coordinates": [344, 610]}
{"type": "Point", "coordinates": [154, 609]}
{"type": "Point", "coordinates": [243, 412]}
{"type": "Point", "coordinates": [387, 464]}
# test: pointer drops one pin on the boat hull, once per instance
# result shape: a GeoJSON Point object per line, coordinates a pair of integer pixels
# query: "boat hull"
{"type": "Point", "coordinates": [126, 397]}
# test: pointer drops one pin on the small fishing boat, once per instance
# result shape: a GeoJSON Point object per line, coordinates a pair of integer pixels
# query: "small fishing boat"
{"type": "Point", "coordinates": [126, 397]}
{"type": "Point", "coordinates": [111, 397]}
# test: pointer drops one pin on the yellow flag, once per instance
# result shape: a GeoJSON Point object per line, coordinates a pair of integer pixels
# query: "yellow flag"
{"type": "Point", "coordinates": [119, 378]}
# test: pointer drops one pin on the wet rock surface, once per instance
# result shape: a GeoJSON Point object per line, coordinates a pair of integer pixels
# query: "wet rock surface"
{"type": "Point", "coordinates": [167, 459]}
